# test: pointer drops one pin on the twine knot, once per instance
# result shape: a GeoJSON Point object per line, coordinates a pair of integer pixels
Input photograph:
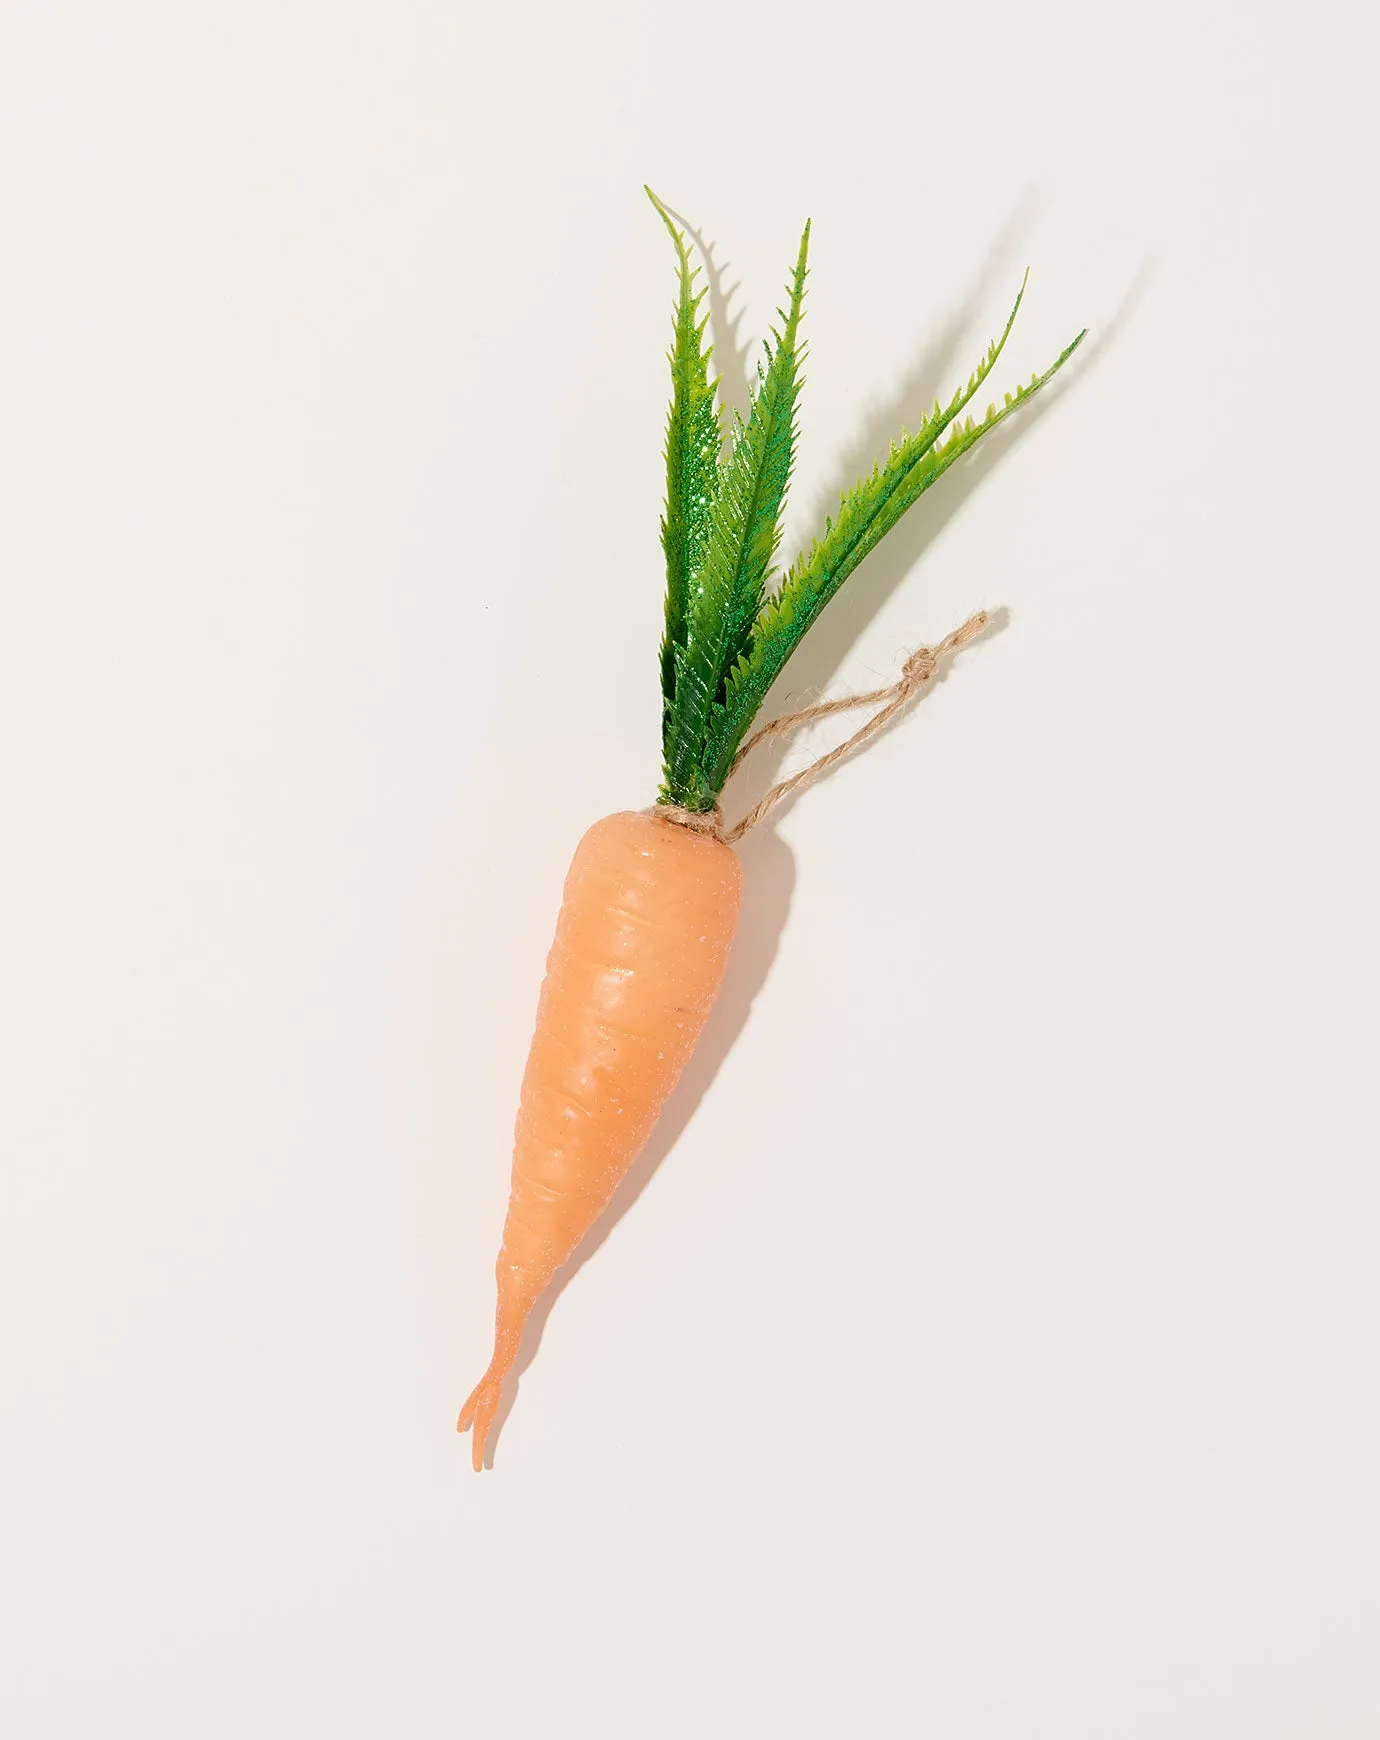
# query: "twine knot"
{"type": "Point", "coordinates": [709, 822]}
{"type": "Point", "coordinates": [918, 668]}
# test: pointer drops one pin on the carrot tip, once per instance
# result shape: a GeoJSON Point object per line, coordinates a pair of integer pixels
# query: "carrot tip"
{"type": "Point", "coordinates": [479, 1412]}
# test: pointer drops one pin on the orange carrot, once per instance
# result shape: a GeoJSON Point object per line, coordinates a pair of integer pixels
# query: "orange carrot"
{"type": "Point", "coordinates": [649, 912]}
{"type": "Point", "coordinates": [651, 901]}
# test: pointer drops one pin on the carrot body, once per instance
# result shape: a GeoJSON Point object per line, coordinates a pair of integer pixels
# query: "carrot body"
{"type": "Point", "coordinates": [649, 912]}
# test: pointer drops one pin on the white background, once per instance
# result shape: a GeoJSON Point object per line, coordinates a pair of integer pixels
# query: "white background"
{"type": "Point", "coordinates": [993, 1352]}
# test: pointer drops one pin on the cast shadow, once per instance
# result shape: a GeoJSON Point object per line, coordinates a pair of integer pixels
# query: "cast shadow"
{"type": "Point", "coordinates": [818, 660]}
{"type": "Point", "coordinates": [731, 354]}
{"type": "Point", "coordinates": [768, 883]}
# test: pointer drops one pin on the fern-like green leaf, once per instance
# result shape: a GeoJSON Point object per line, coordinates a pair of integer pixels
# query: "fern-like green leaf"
{"type": "Point", "coordinates": [726, 591]}
{"type": "Point", "coordinates": [866, 514]}
{"type": "Point", "coordinates": [693, 440]}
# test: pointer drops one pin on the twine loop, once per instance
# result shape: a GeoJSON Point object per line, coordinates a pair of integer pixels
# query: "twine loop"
{"type": "Point", "coordinates": [920, 668]}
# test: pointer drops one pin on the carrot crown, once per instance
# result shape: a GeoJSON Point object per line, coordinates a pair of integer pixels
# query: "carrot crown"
{"type": "Point", "coordinates": [732, 620]}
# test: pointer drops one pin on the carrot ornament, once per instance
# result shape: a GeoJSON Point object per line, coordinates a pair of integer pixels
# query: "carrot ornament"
{"type": "Point", "coordinates": [651, 898]}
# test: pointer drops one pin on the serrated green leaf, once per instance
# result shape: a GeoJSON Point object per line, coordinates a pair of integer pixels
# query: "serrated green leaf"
{"type": "Point", "coordinates": [693, 441]}
{"type": "Point", "coordinates": [866, 514]}
{"type": "Point", "coordinates": [726, 590]}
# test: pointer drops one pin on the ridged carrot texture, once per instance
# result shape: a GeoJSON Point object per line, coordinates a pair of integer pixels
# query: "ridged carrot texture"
{"type": "Point", "coordinates": [650, 909]}
{"type": "Point", "coordinates": [651, 900]}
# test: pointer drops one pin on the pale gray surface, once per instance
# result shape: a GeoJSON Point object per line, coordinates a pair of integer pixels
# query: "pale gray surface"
{"type": "Point", "coordinates": [995, 1354]}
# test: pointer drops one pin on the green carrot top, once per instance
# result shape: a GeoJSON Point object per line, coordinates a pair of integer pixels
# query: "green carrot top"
{"type": "Point", "coordinates": [731, 622]}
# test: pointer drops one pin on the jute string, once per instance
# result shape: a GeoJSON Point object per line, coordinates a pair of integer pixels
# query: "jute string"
{"type": "Point", "coordinates": [919, 669]}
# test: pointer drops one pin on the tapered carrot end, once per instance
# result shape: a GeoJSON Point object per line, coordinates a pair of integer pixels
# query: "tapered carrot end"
{"type": "Point", "coordinates": [479, 1412]}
